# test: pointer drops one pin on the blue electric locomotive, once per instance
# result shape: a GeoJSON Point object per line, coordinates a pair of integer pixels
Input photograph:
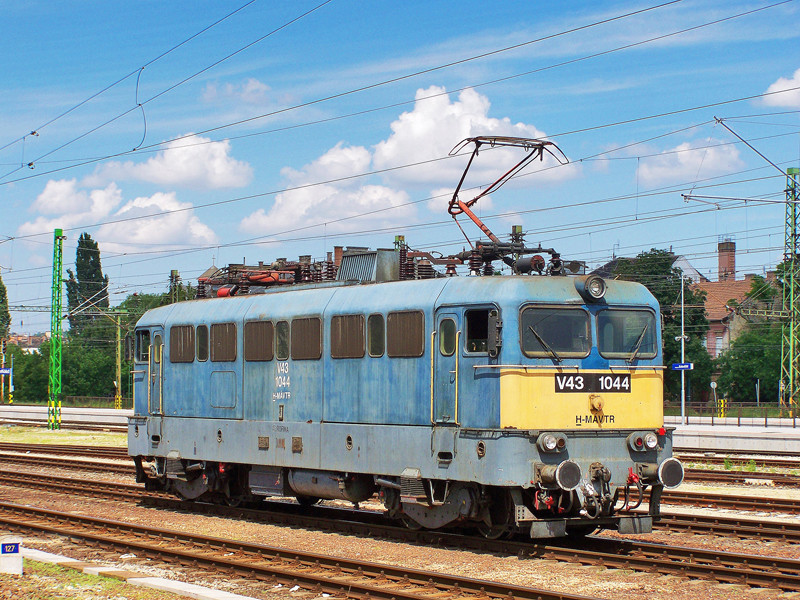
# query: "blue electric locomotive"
{"type": "Point", "coordinates": [504, 403]}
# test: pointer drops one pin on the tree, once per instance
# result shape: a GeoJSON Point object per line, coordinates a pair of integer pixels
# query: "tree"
{"type": "Point", "coordinates": [654, 270]}
{"type": "Point", "coordinates": [5, 317]}
{"type": "Point", "coordinates": [754, 355]}
{"type": "Point", "coordinates": [31, 376]}
{"type": "Point", "coordinates": [87, 286]}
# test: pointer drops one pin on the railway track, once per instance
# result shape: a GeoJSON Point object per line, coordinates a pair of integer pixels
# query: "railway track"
{"type": "Point", "coordinates": [288, 513]}
{"type": "Point", "coordinates": [742, 478]}
{"type": "Point", "coordinates": [113, 452]}
{"type": "Point", "coordinates": [149, 542]}
{"type": "Point", "coordinates": [741, 461]}
{"type": "Point", "coordinates": [68, 463]}
{"type": "Point", "coordinates": [72, 425]}
{"type": "Point", "coordinates": [320, 573]}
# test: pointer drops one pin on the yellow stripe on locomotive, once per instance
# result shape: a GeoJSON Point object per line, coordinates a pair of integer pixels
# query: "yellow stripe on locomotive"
{"type": "Point", "coordinates": [564, 398]}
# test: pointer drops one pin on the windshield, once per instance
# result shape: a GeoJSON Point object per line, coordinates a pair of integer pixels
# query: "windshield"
{"type": "Point", "coordinates": [624, 333]}
{"type": "Point", "coordinates": [555, 332]}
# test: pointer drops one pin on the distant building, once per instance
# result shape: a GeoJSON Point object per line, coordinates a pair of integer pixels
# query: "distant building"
{"type": "Point", "coordinates": [722, 295]}
{"type": "Point", "coordinates": [29, 344]}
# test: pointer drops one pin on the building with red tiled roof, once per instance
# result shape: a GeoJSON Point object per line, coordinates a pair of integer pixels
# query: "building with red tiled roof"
{"type": "Point", "coordinates": [721, 296]}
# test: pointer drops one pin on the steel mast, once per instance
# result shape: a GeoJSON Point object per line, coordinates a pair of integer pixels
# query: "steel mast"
{"type": "Point", "coordinates": [790, 348]}
{"type": "Point", "coordinates": [54, 389]}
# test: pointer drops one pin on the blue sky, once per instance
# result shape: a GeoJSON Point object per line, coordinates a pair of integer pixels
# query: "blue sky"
{"type": "Point", "coordinates": [184, 133]}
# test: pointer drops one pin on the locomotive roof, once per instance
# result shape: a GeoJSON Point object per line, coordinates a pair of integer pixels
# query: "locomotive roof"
{"type": "Point", "coordinates": [344, 297]}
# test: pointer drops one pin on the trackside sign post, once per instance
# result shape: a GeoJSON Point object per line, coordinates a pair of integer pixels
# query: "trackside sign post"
{"type": "Point", "coordinates": [682, 366]}
{"type": "Point", "coordinates": [10, 555]}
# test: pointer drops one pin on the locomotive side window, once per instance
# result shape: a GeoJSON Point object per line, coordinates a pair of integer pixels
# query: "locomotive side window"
{"type": "Point", "coordinates": [347, 336]}
{"type": "Point", "coordinates": [555, 332]}
{"type": "Point", "coordinates": [223, 342]}
{"type": "Point", "coordinates": [376, 335]}
{"type": "Point", "coordinates": [202, 342]}
{"type": "Point", "coordinates": [307, 339]}
{"type": "Point", "coordinates": [142, 346]}
{"type": "Point", "coordinates": [405, 334]}
{"type": "Point", "coordinates": [282, 340]}
{"type": "Point", "coordinates": [181, 344]}
{"type": "Point", "coordinates": [157, 346]}
{"type": "Point", "coordinates": [258, 336]}
{"type": "Point", "coordinates": [447, 337]}
{"type": "Point", "coordinates": [477, 330]}
{"type": "Point", "coordinates": [626, 333]}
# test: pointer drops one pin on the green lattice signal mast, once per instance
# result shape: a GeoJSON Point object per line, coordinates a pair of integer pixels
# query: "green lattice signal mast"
{"type": "Point", "coordinates": [790, 347]}
{"type": "Point", "coordinates": [54, 389]}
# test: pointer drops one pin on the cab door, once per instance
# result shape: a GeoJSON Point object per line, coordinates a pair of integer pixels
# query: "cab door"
{"type": "Point", "coordinates": [155, 402]}
{"type": "Point", "coordinates": [445, 376]}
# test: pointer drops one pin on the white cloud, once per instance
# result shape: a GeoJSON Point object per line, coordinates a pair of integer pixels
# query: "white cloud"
{"type": "Point", "coordinates": [330, 202]}
{"type": "Point", "coordinates": [436, 125]}
{"type": "Point", "coordinates": [194, 162]}
{"type": "Point", "coordinates": [71, 205]}
{"type": "Point", "coordinates": [426, 133]}
{"type": "Point", "coordinates": [181, 227]}
{"type": "Point", "coordinates": [64, 205]}
{"type": "Point", "coordinates": [688, 161]}
{"type": "Point", "coordinates": [251, 91]}
{"type": "Point", "coordinates": [788, 99]}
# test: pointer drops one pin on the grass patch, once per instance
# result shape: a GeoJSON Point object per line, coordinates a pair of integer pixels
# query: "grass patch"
{"type": "Point", "coordinates": [43, 581]}
{"type": "Point", "coordinates": [42, 435]}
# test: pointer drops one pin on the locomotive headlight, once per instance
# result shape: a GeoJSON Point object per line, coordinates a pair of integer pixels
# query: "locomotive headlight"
{"type": "Point", "coordinates": [641, 441]}
{"type": "Point", "coordinates": [591, 288]}
{"type": "Point", "coordinates": [551, 442]}
{"type": "Point", "coordinates": [596, 287]}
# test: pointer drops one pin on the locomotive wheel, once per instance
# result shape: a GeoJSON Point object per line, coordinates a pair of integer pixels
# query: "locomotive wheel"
{"type": "Point", "coordinates": [501, 516]}
{"type": "Point", "coordinates": [493, 532]}
{"type": "Point", "coordinates": [307, 501]}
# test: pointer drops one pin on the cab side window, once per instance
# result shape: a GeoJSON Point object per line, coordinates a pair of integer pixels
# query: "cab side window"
{"type": "Point", "coordinates": [142, 346]}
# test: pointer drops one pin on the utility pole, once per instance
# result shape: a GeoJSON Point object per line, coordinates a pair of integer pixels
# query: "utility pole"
{"type": "Point", "coordinates": [54, 389]}
{"type": "Point", "coordinates": [115, 315]}
{"type": "Point", "coordinates": [118, 382]}
{"type": "Point", "coordinates": [174, 282]}
{"type": "Point", "coordinates": [3, 358]}
{"type": "Point", "coordinates": [683, 360]}
{"type": "Point", "coordinates": [2, 366]}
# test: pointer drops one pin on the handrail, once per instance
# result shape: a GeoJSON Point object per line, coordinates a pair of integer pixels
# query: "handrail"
{"type": "Point", "coordinates": [433, 357]}
{"type": "Point", "coordinates": [149, 384]}
{"type": "Point", "coordinates": [161, 379]}
{"type": "Point", "coordinates": [458, 352]}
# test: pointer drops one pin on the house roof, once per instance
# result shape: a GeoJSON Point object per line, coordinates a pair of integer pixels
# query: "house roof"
{"type": "Point", "coordinates": [719, 293]}
{"type": "Point", "coordinates": [609, 269]}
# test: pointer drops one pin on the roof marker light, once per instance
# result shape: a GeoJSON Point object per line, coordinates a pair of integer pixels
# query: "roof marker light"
{"type": "Point", "coordinates": [592, 288]}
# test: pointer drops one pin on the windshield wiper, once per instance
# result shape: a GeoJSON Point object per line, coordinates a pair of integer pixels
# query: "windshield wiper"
{"type": "Point", "coordinates": [544, 344]}
{"type": "Point", "coordinates": [638, 344]}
